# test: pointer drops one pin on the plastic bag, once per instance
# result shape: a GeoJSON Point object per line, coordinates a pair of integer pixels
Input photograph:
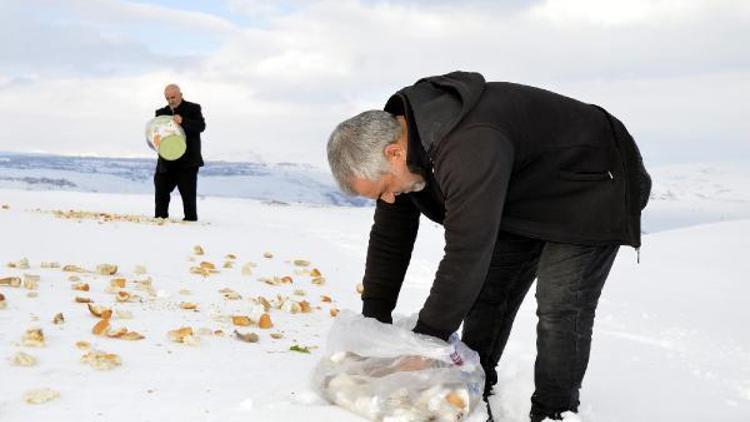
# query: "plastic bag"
{"type": "Point", "coordinates": [388, 373]}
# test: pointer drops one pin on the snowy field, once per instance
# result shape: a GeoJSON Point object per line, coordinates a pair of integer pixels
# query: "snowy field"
{"type": "Point", "coordinates": [670, 342]}
{"type": "Point", "coordinates": [684, 195]}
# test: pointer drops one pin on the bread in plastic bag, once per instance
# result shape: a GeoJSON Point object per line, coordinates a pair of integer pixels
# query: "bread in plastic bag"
{"type": "Point", "coordinates": [386, 372]}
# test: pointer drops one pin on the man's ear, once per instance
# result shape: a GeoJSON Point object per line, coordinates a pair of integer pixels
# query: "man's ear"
{"type": "Point", "coordinates": [392, 151]}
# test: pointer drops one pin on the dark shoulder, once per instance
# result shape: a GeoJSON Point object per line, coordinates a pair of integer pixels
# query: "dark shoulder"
{"type": "Point", "coordinates": [518, 94]}
{"type": "Point", "coordinates": [162, 111]}
{"type": "Point", "coordinates": [471, 145]}
{"type": "Point", "coordinates": [190, 105]}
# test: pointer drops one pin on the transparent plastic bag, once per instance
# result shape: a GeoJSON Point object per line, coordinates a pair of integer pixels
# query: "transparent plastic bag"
{"type": "Point", "coordinates": [388, 373]}
{"type": "Point", "coordinates": [166, 137]}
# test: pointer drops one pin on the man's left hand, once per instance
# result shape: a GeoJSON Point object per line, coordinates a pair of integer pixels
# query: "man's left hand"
{"type": "Point", "coordinates": [177, 119]}
{"type": "Point", "coordinates": [411, 363]}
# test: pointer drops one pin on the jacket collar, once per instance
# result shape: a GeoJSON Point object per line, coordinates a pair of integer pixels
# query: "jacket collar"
{"type": "Point", "coordinates": [416, 156]}
{"type": "Point", "coordinates": [439, 103]}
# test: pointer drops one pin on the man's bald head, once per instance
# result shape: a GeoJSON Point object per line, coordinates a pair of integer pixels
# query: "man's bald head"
{"type": "Point", "coordinates": [173, 95]}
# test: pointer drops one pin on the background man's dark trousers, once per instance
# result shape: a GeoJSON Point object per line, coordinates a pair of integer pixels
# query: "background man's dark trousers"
{"type": "Point", "coordinates": [186, 181]}
{"type": "Point", "coordinates": [570, 281]}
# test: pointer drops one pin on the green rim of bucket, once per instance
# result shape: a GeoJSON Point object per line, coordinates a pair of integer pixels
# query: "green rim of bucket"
{"type": "Point", "coordinates": [172, 147]}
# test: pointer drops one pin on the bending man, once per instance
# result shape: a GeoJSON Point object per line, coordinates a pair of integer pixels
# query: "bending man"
{"type": "Point", "coordinates": [527, 184]}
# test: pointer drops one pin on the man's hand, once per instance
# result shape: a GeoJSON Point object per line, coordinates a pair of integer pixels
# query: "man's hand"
{"type": "Point", "coordinates": [411, 363]}
{"type": "Point", "coordinates": [177, 119]}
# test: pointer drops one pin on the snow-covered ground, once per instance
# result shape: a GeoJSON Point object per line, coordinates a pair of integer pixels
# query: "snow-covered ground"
{"type": "Point", "coordinates": [670, 342]}
{"type": "Point", "coordinates": [684, 195]}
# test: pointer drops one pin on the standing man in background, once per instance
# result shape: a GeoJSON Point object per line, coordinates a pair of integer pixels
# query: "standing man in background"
{"type": "Point", "coordinates": [183, 172]}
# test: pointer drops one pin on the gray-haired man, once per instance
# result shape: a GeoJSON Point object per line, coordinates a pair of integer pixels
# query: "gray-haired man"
{"type": "Point", "coordinates": [527, 184]}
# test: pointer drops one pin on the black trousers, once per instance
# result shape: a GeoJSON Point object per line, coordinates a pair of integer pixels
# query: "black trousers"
{"type": "Point", "coordinates": [569, 282]}
{"type": "Point", "coordinates": [186, 181]}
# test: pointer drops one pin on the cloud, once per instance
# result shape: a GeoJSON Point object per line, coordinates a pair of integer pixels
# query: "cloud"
{"type": "Point", "coordinates": [277, 84]}
{"type": "Point", "coordinates": [262, 9]}
{"type": "Point", "coordinates": [615, 13]}
{"type": "Point", "coordinates": [99, 37]}
{"type": "Point", "coordinates": [119, 11]}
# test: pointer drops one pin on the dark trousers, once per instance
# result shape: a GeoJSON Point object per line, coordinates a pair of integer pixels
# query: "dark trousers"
{"type": "Point", "coordinates": [569, 281]}
{"type": "Point", "coordinates": [186, 181]}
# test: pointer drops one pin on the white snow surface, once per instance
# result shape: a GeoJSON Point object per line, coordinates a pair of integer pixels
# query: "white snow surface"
{"type": "Point", "coordinates": [670, 341]}
{"type": "Point", "coordinates": [684, 195]}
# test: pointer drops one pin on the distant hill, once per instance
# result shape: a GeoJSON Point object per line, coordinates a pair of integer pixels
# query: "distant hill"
{"type": "Point", "coordinates": [683, 194]}
{"type": "Point", "coordinates": [283, 182]}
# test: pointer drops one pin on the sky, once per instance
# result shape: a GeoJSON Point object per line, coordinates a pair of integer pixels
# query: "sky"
{"type": "Point", "coordinates": [82, 77]}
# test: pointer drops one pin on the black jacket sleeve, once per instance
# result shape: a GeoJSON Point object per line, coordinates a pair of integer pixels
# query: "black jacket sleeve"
{"type": "Point", "coordinates": [473, 169]}
{"type": "Point", "coordinates": [193, 121]}
{"type": "Point", "coordinates": [388, 254]}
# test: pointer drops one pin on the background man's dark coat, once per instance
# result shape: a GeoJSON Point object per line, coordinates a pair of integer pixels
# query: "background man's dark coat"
{"type": "Point", "coordinates": [193, 124]}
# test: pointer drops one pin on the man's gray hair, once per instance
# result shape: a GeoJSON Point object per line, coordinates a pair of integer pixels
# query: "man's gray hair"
{"type": "Point", "coordinates": [355, 148]}
{"type": "Point", "coordinates": [172, 86]}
